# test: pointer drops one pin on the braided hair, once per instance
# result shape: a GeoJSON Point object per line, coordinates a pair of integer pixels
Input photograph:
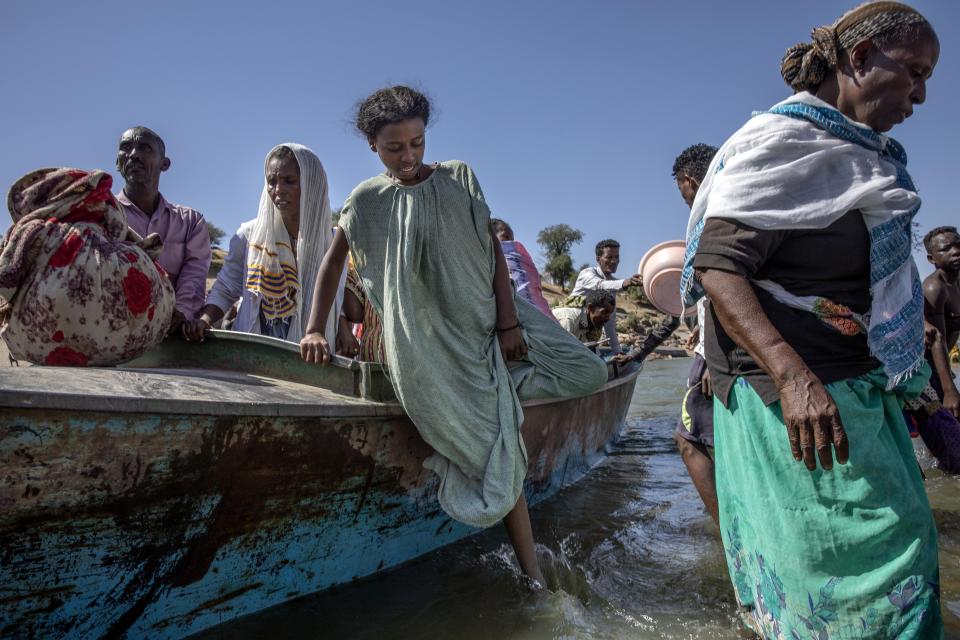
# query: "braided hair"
{"type": "Point", "coordinates": [806, 65]}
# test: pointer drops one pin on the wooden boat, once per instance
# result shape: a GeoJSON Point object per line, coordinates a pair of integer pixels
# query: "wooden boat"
{"type": "Point", "coordinates": [202, 483]}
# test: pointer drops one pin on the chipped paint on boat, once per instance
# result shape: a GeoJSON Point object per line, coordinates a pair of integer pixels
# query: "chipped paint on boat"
{"type": "Point", "coordinates": [162, 511]}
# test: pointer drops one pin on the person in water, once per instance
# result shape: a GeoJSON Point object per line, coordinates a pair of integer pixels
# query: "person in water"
{"type": "Point", "coordinates": [601, 277]}
{"type": "Point", "coordinates": [941, 292]}
{"type": "Point", "coordinates": [586, 323]}
{"type": "Point", "coordinates": [935, 415]}
{"type": "Point", "coordinates": [185, 253]}
{"type": "Point", "coordinates": [274, 259]}
{"type": "Point", "coordinates": [523, 271]}
{"type": "Point", "coordinates": [815, 335]}
{"type": "Point", "coordinates": [694, 432]}
{"type": "Point", "coordinates": [461, 349]}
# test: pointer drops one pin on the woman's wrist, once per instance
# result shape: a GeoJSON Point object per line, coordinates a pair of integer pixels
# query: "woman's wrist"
{"type": "Point", "coordinates": [515, 325]}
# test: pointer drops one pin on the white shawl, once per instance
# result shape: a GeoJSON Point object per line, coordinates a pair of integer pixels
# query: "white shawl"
{"type": "Point", "coordinates": [269, 243]}
{"type": "Point", "coordinates": [803, 165]}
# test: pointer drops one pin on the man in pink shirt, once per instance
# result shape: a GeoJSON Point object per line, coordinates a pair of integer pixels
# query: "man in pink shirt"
{"type": "Point", "coordinates": [141, 158]}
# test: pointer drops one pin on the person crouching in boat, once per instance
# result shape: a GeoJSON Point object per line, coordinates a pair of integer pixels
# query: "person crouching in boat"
{"type": "Point", "coordinates": [801, 236]}
{"type": "Point", "coordinates": [461, 349]}
{"type": "Point", "coordinates": [586, 322]}
{"type": "Point", "coordinates": [274, 259]}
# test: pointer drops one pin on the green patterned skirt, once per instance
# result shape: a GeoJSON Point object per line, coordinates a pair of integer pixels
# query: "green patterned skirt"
{"type": "Point", "coordinates": [847, 553]}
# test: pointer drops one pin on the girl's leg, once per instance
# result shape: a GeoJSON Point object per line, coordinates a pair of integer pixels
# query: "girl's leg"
{"type": "Point", "coordinates": [520, 533]}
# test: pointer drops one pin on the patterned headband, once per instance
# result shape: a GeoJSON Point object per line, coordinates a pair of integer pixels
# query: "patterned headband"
{"type": "Point", "coordinates": [804, 66]}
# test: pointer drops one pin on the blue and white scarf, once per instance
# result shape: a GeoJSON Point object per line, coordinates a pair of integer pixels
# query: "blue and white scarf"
{"type": "Point", "coordinates": [803, 165]}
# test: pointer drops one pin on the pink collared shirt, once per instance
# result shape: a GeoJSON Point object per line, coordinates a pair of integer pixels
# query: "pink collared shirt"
{"type": "Point", "coordinates": [186, 248]}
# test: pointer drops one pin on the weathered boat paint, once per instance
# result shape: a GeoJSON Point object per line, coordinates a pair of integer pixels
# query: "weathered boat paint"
{"type": "Point", "coordinates": [173, 500]}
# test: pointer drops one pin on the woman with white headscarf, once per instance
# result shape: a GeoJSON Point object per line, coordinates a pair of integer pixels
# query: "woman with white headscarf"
{"type": "Point", "coordinates": [273, 260]}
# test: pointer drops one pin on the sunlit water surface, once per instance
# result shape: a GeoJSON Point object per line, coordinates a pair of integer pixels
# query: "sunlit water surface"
{"type": "Point", "coordinates": [629, 552]}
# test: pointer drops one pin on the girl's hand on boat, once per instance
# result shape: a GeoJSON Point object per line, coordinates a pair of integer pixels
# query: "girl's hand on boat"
{"type": "Point", "coordinates": [812, 421]}
{"type": "Point", "coordinates": [314, 348]}
{"type": "Point", "coordinates": [194, 330]}
{"type": "Point", "coordinates": [512, 345]}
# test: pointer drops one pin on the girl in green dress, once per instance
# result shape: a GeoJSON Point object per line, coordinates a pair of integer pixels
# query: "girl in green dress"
{"type": "Point", "coordinates": [461, 349]}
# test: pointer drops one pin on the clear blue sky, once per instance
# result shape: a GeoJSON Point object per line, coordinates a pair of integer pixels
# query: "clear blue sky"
{"type": "Point", "coordinates": [568, 111]}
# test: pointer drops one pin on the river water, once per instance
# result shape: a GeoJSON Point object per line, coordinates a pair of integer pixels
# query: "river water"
{"type": "Point", "coordinates": [629, 552]}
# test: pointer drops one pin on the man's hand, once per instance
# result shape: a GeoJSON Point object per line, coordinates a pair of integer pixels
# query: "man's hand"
{"type": "Point", "coordinates": [692, 341]}
{"type": "Point", "coordinates": [195, 330]}
{"type": "Point", "coordinates": [512, 345]}
{"type": "Point", "coordinates": [705, 387]}
{"type": "Point", "coordinates": [635, 280]}
{"type": "Point", "coordinates": [314, 349]}
{"type": "Point", "coordinates": [622, 359]}
{"type": "Point", "coordinates": [175, 321]}
{"type": "Point", "coordinates": [813, 422]}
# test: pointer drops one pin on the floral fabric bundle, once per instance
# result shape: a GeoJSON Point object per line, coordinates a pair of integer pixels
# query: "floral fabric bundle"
{"type": "Point", "coordinates": [78, 292]}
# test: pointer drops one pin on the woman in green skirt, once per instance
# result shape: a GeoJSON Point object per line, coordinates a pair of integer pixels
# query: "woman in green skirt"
{"type": "Point", "coordinates": [801, 237]}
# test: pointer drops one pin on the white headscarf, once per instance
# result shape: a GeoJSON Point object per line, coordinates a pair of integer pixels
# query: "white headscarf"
{"type": "Point", "coordinates": [270, 257]}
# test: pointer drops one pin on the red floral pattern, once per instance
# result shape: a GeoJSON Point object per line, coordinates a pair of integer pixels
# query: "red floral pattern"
{"type": "Point", "coordinates": [137, 288]}
{"type": "Point", "coordinates": [66, 357]}
{"type": "Point", "coordinates": [67, 252]}
{"type": "Point", "coordinates": [82, 295]}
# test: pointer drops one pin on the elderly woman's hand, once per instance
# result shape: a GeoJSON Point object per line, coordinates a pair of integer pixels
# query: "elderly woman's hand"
{"type": "Point", "coordinates": [314, 348]}
{"type": "Point", "coordinates": [812, 421]}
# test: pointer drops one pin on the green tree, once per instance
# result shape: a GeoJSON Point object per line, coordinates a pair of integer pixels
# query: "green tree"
{"type": "Point", "coordinates": [560, 268]}
{"type": "Point", "coordinates": [216, 234]}
{"type": "Point", "coordinates": [335, 215]}
{"type": "Point", "coordinates": [556, 241]}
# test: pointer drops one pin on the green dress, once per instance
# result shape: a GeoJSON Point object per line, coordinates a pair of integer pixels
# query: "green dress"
{"type": "Point", "coordinates": [847, 553]}
{"type": "Point", "coordinates": [426, 259]}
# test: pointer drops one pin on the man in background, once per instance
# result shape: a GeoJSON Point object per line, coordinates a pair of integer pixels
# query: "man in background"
{"type": "Point", "coordinates": [600, 278]}
{"type": "Point", "coordinates": [141, 158]}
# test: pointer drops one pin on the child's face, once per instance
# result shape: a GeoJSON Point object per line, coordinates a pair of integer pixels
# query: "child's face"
{"type": "Point", "coordinates": [945, 252]}
{"type": "Point", "coordinates": [502, 232]}
{"type": "Point", "coordinates": [400, 146]}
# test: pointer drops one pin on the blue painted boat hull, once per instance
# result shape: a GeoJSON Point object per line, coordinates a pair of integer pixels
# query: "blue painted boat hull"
{"type": "Point", "coordinates": [157, 525]}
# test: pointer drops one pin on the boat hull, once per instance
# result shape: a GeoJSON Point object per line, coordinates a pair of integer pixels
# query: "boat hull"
{"type": "Point", "coordinates": [142, 524]}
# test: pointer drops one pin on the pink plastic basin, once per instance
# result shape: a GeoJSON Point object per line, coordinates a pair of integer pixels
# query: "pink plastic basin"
{"type": "Point", "coordinates": [661, 268]}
